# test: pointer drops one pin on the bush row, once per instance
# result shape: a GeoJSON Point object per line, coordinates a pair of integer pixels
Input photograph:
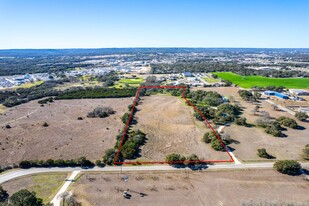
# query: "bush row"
{"type": "Point", "coordinates": [80, 162]}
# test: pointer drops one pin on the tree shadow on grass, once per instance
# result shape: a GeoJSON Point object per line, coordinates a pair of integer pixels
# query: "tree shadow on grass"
{"type": "Point", "coordinates": [230, 148]}
{"type": "Point", "coordinates": [299, 127]}
{"type": "Point", "coordinates": [198, 166]}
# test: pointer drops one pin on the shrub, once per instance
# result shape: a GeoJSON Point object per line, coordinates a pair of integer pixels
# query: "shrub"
{"type": "Point", "coordinates": [45, 101]}
{"type": "Point", "coordinates": [246, 95]}
{"type": "Point", "coordinates": [216, 144]}
{"type": "Point", "coordinates": [175, 158]}
{"type": "Point", "coordinates": [275, 129]}
{"type": "Point", "coordinates": [306, 152]}
{"type": "Point", "coordinates": [99, 163]}
{"type": "Point", "coordinates": [241, 121]}
{"type": "Point", "coordinates": [3, 194]}
{"type": "Point", "coordinates": [8, 126]}
{"type": "Point", "coordinates": [290, 167]}
{"type": "Point", "coordinates": [125, 118]}
{"type": "Point", "coordinates": [79, 118]}
{"type": "Point", "coordinates": [83, 162]}
{"type": "Point", "coordinates": [263, 153]}
{"type": "Point", "coordinates": [193, 158]}
{"type": "Point", "coordinates": [302, 116]}
{"type": "Point", "coordinates": [109, 156]}
{"type": "Point", "coordinates": [25, 164]}
{"type": "Point", "coordinates": [208, 137]}
{"type": "Point", "coordinates": [288, 122]}
{"type": "Point", "coordinates": [25, 198]}
{"type": "Point", "coordinates": [101, 112]}
{"type": "Point", "coordinates": [45, 124]}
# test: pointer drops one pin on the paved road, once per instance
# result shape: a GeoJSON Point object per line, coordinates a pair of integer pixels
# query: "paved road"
{"type": "Point", "coordinates": [22, 172]}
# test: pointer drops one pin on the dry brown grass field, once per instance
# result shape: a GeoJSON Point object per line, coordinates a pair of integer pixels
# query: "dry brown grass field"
{"type": "Point", "coordinates": [45, 185]}
{"type": "Point", "coordinates": [252, 138]}
{"type": "Point", "coordinates": [66, 137]}
{"type": "Point", "coordinates": [171, 128]}
{"type": "Point", "coordinates": [191, 188]}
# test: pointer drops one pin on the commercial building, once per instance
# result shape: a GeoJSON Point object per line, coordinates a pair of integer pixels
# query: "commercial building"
{"type": "Point", "coordinates": [187, 74]}
{"type": "Point", "coordinates": [299, 92]}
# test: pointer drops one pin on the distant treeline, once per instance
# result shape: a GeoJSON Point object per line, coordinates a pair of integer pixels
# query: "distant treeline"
{"type": "Point", "coordinates": [14, 66]}
{"type": "Point", "coordinates": [89, 93]}
{"type": "Point", "coordinates": [207, 66]}
{"type": "Point", "coordinates": [23, 95]}
{"type": "Point", "coordinates": [107, 51]}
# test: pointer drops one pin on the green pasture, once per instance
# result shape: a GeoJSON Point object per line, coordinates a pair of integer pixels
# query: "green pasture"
{"type": "Point", "coordinates": [251, 81]}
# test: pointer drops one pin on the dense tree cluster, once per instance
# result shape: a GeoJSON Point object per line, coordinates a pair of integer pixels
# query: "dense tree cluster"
{"type": "Point", "coordinates": [215, 143]}
{"type": "Point", "coordinates": [23, 95]}
{"type": "Point", "coordinates": [101, 112]}
{"type": "Point", "coordinates": [109, 156]}
{"type": "Point", "coordinates": [132, 143]}
{"type": "Point", "coordinates": [80, 162]}
{"type": "Point", "coordinates": [249, 96]}
{"type": "Point", "coordinates": [96, 92]}
{"type": "Point", "coordinates": [207, 111]}
{"type": "Point", "coordinates": [46, 89]}
{"type": "Point", "coordinates": [21, 198]}
{"type": "Point", "coordinates": [290, 167]}
{"type": "Point", "coordinates": [274, 128]}
{"type": "Point", "coordinates": [226, 113]}
{"type": "Point", "coordinates": [201, 97]}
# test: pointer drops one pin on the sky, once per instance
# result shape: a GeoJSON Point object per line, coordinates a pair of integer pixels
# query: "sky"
{"type": "Point", "coordinates": [154, 23]}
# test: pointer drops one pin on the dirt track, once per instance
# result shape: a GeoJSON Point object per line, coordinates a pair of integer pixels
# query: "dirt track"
{"type": "Point", "coordinates": [65, 137]}
{"type": "Point", "coordinates": [171, 128]}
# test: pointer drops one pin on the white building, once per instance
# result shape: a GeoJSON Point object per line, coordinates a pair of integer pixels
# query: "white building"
{"type": "Point", "coordinates": [298, 92]}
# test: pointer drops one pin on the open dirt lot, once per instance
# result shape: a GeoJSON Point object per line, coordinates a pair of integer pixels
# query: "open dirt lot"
{"type": "Point", "coordinates": [191, 188]}
{"type": "Point", "coordinates": [250, 139]}
{"type": "Point", "coordinates": [171, 128]}
{"type": "Point", "coordinates": [45, 185]}
{"type": "Point", "coordinates": [65, 137]}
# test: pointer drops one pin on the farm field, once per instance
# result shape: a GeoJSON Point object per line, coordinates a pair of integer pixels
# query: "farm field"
{"type": "Point", "coordinates": [191, 188]}
{"type": "Point", "coordinates": [66, 137]}
{"type": "Point", "coordinates": [250, 81]}
{"type": "Point", "coordinates": [44, 185]}
{"type": "Point", "coordinates": [252, 138]}
{"type": "Point", "coordinates": [132, 81]}
{"type": "Point", "coordinates": [211, 79]}
{"type": "Point", "coordinates": [171, 128]}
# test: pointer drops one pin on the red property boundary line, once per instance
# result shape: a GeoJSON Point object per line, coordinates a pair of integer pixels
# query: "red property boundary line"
{"type": "Point", "coordinates": [167, 162]}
